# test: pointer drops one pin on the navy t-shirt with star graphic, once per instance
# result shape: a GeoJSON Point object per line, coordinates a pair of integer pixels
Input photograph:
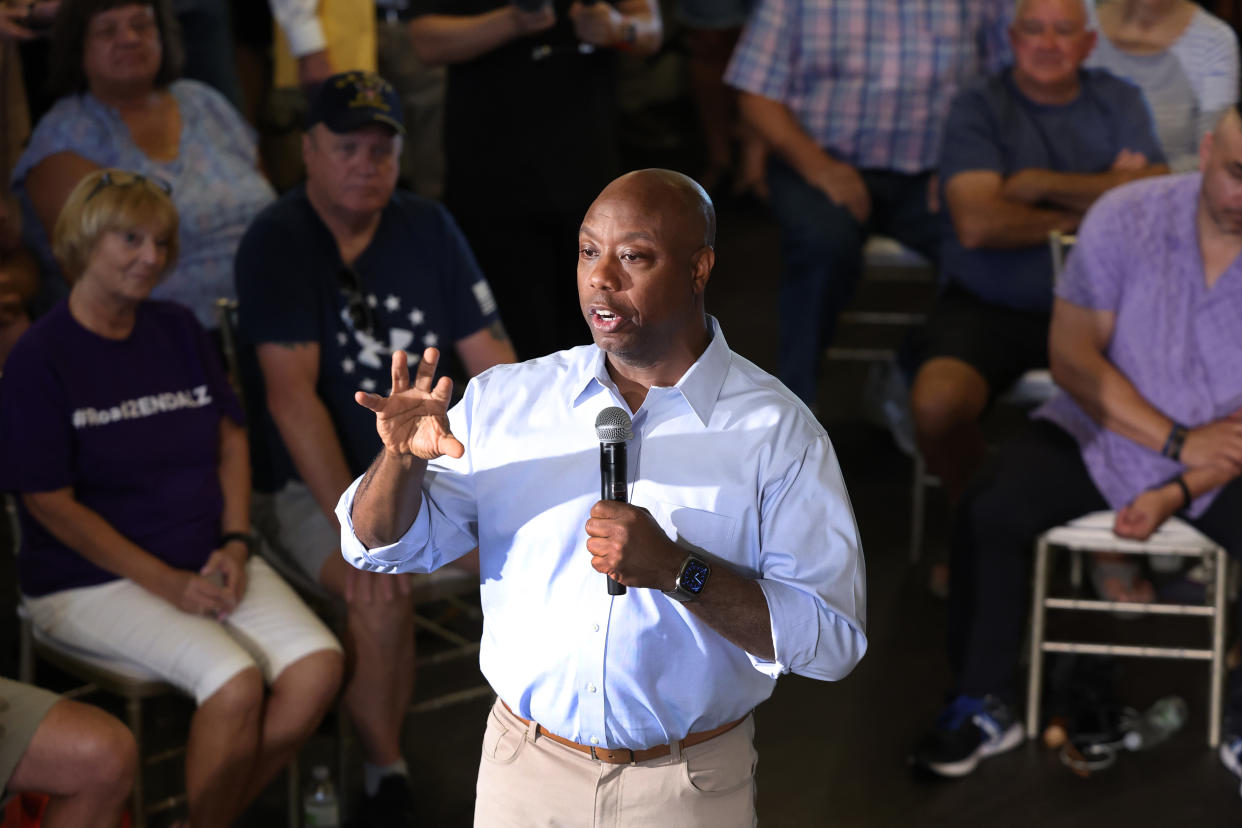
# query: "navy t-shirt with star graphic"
{"type": "Point", "coordinates": [418, 279]}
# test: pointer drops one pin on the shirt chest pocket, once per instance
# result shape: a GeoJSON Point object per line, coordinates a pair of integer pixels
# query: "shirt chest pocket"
{"type": "Point", "coordinates": [699, 530]}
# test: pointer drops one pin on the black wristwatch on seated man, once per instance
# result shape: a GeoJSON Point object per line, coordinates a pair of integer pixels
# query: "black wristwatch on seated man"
{"type": "Point", "coordinates": [691, 579]}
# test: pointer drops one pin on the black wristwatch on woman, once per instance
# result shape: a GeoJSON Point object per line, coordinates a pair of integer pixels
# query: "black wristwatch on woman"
{"type": "Point", "coordinates": [247, 538]}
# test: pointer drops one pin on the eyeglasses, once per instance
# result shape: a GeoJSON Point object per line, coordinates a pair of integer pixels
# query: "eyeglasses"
{"type": "Point", "coordinates": [361, 315]}
{"type": "Point", "coordinates": [127, 179]}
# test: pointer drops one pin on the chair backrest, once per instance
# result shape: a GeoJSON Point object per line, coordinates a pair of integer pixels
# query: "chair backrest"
{"type": "Point", "coordinates": [1060, 244]}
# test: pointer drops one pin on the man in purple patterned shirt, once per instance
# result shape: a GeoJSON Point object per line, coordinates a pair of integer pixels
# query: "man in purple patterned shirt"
{"type": "Point", "coordinates": [1146, 343]}
{"type": "Point", "coordinates": [852, 96]}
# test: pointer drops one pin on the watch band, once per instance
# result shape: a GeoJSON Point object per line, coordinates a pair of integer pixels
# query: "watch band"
{"type": "Point", "coordinates": [247, 538]}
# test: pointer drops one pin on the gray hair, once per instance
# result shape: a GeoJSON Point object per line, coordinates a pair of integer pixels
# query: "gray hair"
{"type": "Point", "coordinates": [1088, 11]}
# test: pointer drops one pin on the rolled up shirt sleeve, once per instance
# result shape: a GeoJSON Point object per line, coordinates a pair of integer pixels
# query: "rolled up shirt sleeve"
{"type": "Point", "coordinates": [813, 573]}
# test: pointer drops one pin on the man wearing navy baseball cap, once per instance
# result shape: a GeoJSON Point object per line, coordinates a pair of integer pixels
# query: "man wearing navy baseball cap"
{"type": "Point", "coordinates": [332, 279]}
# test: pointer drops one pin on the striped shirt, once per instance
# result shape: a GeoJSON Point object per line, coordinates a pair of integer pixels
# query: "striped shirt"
{"type": "Point", "coordinates": [1187, 85]}
{"type": "Point", "coordinates": [871, 80]}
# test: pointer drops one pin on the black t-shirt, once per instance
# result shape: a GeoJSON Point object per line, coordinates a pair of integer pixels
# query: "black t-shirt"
{"type": "Point", "coordinates": [528, 133]}
{"type": "Point", "coordinates": [418, 275]}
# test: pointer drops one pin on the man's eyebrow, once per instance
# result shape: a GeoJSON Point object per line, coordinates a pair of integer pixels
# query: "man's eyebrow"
{"type": "Point", "coordinates": [637, 235]}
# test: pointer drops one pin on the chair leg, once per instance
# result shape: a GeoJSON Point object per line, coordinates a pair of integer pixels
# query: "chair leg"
{"type": "Point", "coordinates": [137, 801]}
{"type": "Point", "coordinates": [1218, 647]}
{"type": "Point", "coordinates": [342, 757]}
{"type": "Point", "coordinates": [293, 790]}
{"type": "Point", "coordinates": [918, 495]}
{"type": "Point", "coordinates": [1039, 592]}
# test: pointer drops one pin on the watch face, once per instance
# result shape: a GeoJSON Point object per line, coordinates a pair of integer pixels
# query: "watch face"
{"type": "Point", "coordinates": [694, 576]}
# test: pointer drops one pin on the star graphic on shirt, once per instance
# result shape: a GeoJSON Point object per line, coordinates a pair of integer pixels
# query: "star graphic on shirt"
{"type": "Point", "coordinates": [367, 384]}
{"type": "Point", "coordinates": [416, 317]}
{"type": "Point", "coordinates": [372, 300]}
{"type": "Point", "coordinates": [347, 365]}
{"type": "Point", "coordinates": [430, 340]}
{"type": "Point", "coordinates": [342, 339]}
{"type": "Point", "coordinates": [392, 303]}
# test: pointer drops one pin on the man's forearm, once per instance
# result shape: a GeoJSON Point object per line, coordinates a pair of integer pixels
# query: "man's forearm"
{"type": "Point", "coordinates": [736, 608]}
{"type": "Point", "coordinates": [778, 127]}
{"type": "Point", "coordinates": [1000, 223]}
{"type": "Point", "coordinates": [309, 435]}
{"type": "Point", "coordinates": [1071, 191]}
{"type": "Point", "coordinates": [234, 477]}
{"type": "Point", "coordinates": [388, 499]}
{"type": "Point", "coordinates": [1105, 394]}
{"type": "Point", "coordinates": [440, 39]}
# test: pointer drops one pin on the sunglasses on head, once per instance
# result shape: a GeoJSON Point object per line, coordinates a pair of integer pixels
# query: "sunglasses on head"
{"type": "Point", "coordinates": [127, 179]}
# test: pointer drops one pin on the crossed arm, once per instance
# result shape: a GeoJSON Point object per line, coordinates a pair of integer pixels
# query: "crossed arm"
{"type": "Point", "coordinates": [445, 39]}
{"type": "Point", "coordinates": [989, 210]}
{"type": "Point", "coordinates": [1212, 452]}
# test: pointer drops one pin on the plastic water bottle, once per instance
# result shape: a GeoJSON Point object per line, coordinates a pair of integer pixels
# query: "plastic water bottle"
{"type": "Point", "coordinates": [1162, 720]}
{"type": "Point", "coordinates": [321, 809]}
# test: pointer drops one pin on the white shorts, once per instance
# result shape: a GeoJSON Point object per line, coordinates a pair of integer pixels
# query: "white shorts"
{"type": "Point", "coordinates": [270, 629]}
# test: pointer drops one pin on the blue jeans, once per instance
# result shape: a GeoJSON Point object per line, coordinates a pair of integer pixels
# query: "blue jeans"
{"type": "Point", "coordinates": [821, 256]}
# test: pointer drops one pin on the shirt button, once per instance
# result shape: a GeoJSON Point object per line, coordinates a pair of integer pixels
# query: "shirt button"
{"type": "Point", "coordinates": [594, 740]}
{"type": "Point", "coordinates": [595, 628]}
{"type": "Point", "coordinates": [591, 688]}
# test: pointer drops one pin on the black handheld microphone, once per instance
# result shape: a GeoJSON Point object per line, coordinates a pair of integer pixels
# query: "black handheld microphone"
{"type": "Point", "coordinates": [612, 427]}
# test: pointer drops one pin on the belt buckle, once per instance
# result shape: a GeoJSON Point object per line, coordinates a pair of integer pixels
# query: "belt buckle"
{"type": "Point", "coordinates": [596, 757]}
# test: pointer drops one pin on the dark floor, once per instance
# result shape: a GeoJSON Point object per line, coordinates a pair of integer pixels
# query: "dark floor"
{"type": "Point", "coordinates": [834, 754]}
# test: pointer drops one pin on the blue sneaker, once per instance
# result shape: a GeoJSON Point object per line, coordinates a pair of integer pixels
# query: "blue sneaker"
{"type": "Point", "coordinates": [1231, 754]}
{"type": "Point", "coordinates": [968, 730]}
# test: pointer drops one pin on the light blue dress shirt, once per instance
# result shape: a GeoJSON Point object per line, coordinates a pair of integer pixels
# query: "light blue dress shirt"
{"type": "Point", "coordinates": [727, 461]}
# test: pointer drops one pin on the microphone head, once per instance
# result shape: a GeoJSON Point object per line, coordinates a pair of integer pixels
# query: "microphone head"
{"type": "Point", "coordinates": [612, 425]}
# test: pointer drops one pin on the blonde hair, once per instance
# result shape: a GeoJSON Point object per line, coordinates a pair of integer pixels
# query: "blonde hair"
{"type": "Point", "coordinates": [105, 201]}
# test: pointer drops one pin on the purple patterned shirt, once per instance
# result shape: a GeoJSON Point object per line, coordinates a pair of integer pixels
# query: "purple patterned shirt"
{"type": "Point", "coordinates": [871, 80]}
{"type": "Point", "coordinates": [1177, 341]}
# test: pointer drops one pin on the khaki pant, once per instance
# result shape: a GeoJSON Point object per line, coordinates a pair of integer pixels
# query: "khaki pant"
{"type": "Point", "coordinates": [527, 780]}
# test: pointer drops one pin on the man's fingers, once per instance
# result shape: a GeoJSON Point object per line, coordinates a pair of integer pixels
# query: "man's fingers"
{"type": "Point", "coordinates": [443, 390]}
{"type": "Point", "coordinates": [373, 402]}
{"type": "Point", "coordinates": [400, 372]}
{"type": "Point", "coordinates": [450, 446]}
{"type": "Point", "coordinates": [426, 370]}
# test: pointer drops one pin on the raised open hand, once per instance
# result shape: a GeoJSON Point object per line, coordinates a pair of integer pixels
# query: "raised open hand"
{"type": "Point", "coordinates": [413, 419]}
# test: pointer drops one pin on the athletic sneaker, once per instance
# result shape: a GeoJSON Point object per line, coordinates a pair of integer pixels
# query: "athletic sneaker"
{"type": "Point", "coordinates": [968, 730]}
{"type": "Point", "coordinates": [1231, 754]}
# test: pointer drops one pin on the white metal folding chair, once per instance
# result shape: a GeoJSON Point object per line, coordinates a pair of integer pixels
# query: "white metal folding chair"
{"type": "Point", "coordinates": [1094, 533]}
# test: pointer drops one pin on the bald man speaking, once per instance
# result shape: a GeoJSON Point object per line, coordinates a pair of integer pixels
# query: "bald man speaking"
{"type": "Point", "coordinates": [738, 544]}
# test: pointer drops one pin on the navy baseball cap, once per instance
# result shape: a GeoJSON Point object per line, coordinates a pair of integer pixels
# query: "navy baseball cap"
{"type": "Point", "coordinates": [352, 100]}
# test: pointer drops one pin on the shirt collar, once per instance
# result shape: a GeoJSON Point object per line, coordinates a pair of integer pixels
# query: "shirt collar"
{"type": "Point", "coordinates": [699, 386]}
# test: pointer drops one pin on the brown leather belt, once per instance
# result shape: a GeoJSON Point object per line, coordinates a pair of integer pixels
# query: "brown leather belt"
{"type": "Point", "coordinates": [625, 756]}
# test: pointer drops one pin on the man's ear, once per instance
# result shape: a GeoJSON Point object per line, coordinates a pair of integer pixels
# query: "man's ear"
{"type": "Point", "coordinates": [701, 264]}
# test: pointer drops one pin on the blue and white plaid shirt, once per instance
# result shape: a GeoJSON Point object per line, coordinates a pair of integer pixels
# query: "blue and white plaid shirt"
{"type": "Point", "coordinates": [871, 80]}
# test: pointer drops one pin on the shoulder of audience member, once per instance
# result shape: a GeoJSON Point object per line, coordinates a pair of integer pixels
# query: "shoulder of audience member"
{"type": "Point", "coordinates": [1133, 205]}
{"type": "Point", "coordinates": [1112, 88]}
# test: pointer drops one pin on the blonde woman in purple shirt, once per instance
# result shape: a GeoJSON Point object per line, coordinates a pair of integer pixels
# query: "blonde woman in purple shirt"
{"type": "Point", "coordinates": [125, 445]}
{"type": "Point", "coordinates": [1146, 344]}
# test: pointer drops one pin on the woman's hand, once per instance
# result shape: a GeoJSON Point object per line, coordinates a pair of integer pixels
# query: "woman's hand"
{"type": "Point", "coordinates": [226, 568]}
{"type": "Point", "coordinates": [195, 594]}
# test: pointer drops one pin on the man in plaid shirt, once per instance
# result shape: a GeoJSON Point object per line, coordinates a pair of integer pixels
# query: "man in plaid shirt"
{"type": "Point", "coordinates": [852, 95]}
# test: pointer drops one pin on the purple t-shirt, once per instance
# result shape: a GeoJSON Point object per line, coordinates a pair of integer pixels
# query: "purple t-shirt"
{"type": "Point", "coordinates": [1179, 343]}
{"type": "Point", "coordinates": [132, 425]}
